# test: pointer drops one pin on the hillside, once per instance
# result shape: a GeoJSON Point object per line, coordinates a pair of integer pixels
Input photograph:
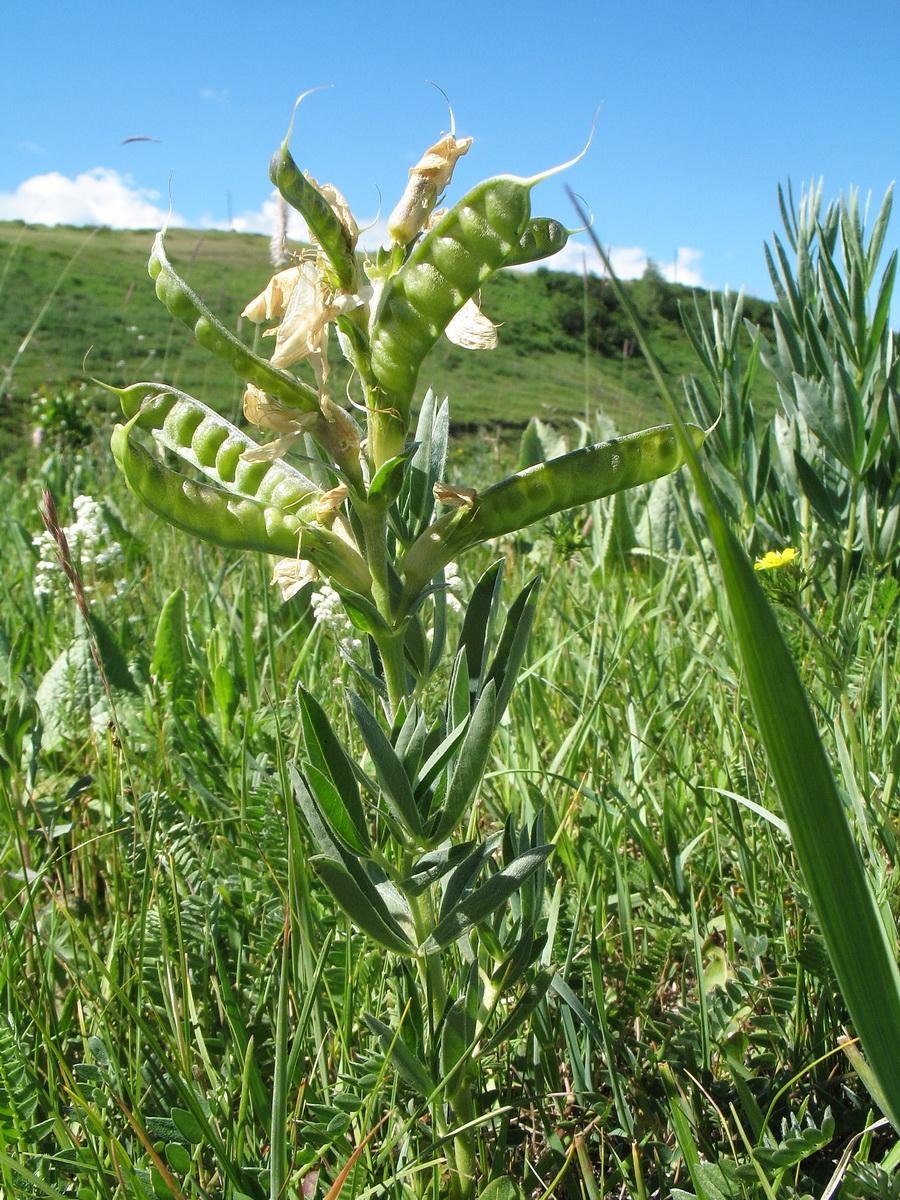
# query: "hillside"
{"type": "Point", "coordinates": [565, 347]}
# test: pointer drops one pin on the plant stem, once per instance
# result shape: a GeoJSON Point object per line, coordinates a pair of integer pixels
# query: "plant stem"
{"type": "Point", "coordinates": [390, 645]}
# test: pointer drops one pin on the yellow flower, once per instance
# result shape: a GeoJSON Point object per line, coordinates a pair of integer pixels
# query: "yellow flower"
{"type": "Point", "coordinates": [775, 558]}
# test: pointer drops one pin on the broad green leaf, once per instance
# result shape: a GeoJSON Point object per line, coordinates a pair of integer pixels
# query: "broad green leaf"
{"type": "Point", "coordinates": [188, 1126]}
{"type": "Point", "coordinates": [503, 1188]}
{"type": "Point", "coordinates": [170, 646]}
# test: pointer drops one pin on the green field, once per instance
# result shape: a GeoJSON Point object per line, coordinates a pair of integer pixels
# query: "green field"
{"type": "Point", "coordinates": [296, 902]}
{"type": "Point", "coordinates": [105, 321]}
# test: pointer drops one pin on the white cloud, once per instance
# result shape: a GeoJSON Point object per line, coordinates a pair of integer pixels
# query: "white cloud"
{"type": "Point", "coordinates": [214, 95]}
{"type": "Point", "coordinates": [98, 197]}
{"type": "Point", "coordinates": [260, 220]}
{"type": "Point", "coordinates": [629, 262]}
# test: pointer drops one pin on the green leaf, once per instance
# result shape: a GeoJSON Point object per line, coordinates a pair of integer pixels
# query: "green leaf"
{"type": "Point", "coordinates": [187, 1126]}
{"type": "Point", "coordinates": [388, 480]}
{"type": "Point", "coordinates": [328, 756]}
{"type": "Point", "coordinates": [178, 1158]}
{"type": "Point", "coordinates": [361, 901]}
{"type": "Point", "coordinates": [513, 643]}
{"type": "Point", "coordinates": [402, 1058]}
{"type": "Point", "coordinates": [481, 614]}
{"type": "Point", "coordinates": [503, 1188]}
{"type": "Point", "coordinates": [362, 613]}
{"type": "Point", "coordinates": [824, 502]}
{"type": "Point", "coordinates": [170, 646]}
{"type": "Point", "coordinates": [479, 905]}
{"type": "Point", "coordinates": [433, 866]}
{"type": "Point", "coordinates": [470, 764]}
{"type": "Point", "coordinates": [390, 770]}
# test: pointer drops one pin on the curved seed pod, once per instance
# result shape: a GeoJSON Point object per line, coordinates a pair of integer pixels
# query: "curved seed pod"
{"type": "Point", "coordinates": [202, 510]}
{"type": "Point", "coordinates": [187, 306]}
{"type": "Point", "coordinates": [542, 490]}
{"type": "Point", "coordinates": [445, 269]}
{"type": "Point", "coordinates": [543, 236]}
{"type": "Point", "coordinates": [323, 222]}
{"type": "Point", "coordinates": [207, 441]}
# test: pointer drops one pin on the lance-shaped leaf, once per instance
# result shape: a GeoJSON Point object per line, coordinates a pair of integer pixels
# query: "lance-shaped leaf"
{"type": "Point", "coordinates": [470, 763]}
{"type": "Point", "coordinates": [391, 773]}
{"type": "Point", "coordinates": [359, 898]}
{"type": "Point", "coordinates": [341, 801]}
{"type": "Point", "coordinates": [478, 905]}
{"type": "Point", "coordinates": [403, 1059]}
{"type": "Point", "coordinates": [433, 865]}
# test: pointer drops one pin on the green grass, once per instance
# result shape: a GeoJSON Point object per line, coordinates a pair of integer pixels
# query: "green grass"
{"type": "Point", "coordinates": [148, 867]}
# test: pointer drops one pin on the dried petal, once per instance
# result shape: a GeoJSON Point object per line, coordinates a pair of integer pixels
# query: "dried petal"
{"type": "Point", "coordinates": [291, 574]}
{"type": "Point", "coordinates": [266, 412]}
{"type": "Point", "coordinates": [340, 208]}
{"type": "Point", "coordinates": [454, 497]}
{"type": "Point", "coordinates": [471, 329]}
{"type": "Point", "coordinates": [428, 180]}
{"type": "Point", "coordinates": [273, 301]}
{"type": "Point", "coordinates": [329, 505]}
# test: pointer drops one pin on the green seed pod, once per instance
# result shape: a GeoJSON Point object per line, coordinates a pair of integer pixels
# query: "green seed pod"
{"type": "Point", "coordinates": [187, 306]}
{"type": "Point", "coordinates": [542, 490]}
{"type": "Point", "coordinates": [202, 510]}
{"type": "Point", "coordinates": [445, 269]}
{"type": "Point", "coordinates": [207, 441]}
{"type": "Point", "coordinates": [542, 237]}
{"type": "Point", "coordinates": [323, 222]}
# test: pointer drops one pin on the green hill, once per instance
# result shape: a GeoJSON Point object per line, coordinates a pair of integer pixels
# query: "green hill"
{"type": "Point", "coordinates": [565, 347]}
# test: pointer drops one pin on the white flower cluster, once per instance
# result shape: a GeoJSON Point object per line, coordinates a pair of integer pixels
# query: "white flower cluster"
{"type": "Point", "coordinates": [453, 580]}
{"type": "Point", "coordinates": [93, 547]}
{"type": "Point", "coordinates": [329, 612]}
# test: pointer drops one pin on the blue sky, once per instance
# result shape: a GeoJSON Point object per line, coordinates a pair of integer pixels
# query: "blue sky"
{"type": "Point", "coordinates": [706, 106]}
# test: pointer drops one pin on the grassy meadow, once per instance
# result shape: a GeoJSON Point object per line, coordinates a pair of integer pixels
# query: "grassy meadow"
{"type": "Point", "coordinates": [181, 1001]}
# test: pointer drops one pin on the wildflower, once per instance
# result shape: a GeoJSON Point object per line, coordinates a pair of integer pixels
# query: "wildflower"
{"type": "Point", "coordinates": [775, 558]}
{"type": "Point", "coordinates": [91, 541]}
{"type": "Point", "coordinates": [328, 610]}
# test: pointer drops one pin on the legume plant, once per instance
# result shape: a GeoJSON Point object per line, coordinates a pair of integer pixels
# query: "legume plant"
{"type": "Point", "coordinates": [394, 836]}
